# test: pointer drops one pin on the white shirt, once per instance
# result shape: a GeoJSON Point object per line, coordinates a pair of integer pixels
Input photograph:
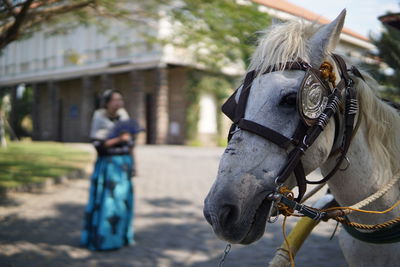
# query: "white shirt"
{"type": "Point", "coordinates": [102, 125]}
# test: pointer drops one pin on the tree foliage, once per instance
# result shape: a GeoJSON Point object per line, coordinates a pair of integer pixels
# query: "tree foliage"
{"type": "Point", "coordinates": [218, 85]}
{"type": "Point", "coordinates": [23, 117]}
{"type": "Point", "coordinates": [388, 45]}
{"type": "Point", "coordinates": [219, 32]}
{"type": "Point", "coordinates": [20, 18]}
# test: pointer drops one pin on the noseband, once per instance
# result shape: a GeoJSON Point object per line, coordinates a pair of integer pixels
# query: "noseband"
{"type": "Point", "coordinates": [305, 134]}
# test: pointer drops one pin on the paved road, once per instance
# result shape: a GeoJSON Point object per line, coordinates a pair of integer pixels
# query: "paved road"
{"type": "Point", "coordinates": [43, 229]}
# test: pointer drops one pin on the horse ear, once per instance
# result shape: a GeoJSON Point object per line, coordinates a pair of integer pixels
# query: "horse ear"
{"type": "Point", "coordinates": [325, 40]}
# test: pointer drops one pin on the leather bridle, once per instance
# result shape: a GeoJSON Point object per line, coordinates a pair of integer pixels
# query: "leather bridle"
{"type": "Point", "coordinates": [304, 135]}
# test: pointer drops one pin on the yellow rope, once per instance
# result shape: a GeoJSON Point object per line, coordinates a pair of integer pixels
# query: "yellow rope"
{"type": "Point", "coordinates": [367, 226]}
{"type": "Point", "coordinates": [286, 211]}
{"type": "Point", "coordinates": [364, 211]}
{"type": "Point", "coordinates": [379, 193]}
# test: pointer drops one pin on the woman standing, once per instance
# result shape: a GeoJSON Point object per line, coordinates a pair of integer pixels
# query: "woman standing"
{"type": "Point", "coordinates": [109, 213]}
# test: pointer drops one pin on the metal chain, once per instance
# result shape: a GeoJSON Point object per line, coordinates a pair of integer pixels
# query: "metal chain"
{"type": "Point", "coordinates": [226, 252]}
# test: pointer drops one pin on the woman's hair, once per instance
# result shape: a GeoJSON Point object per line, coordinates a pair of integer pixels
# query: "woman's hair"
{"type": "Point", "coordinates": [107, 95]}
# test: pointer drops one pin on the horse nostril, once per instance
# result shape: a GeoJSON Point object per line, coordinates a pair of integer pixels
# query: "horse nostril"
{"type": "Point", "coordinates": [228, 214]}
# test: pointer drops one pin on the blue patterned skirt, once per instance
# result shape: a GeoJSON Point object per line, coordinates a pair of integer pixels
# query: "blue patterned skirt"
{"type": "Point", "coordinates": [109, 213]}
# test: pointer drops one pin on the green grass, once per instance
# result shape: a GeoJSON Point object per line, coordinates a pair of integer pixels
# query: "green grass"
{"type": "Point", "coordinates": [33, 162]}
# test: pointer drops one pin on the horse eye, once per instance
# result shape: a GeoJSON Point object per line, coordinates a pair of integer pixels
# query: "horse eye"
{"type": "Point", "coordinates": [289, 100]}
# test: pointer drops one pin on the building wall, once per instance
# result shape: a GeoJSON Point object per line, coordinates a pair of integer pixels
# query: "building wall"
{"type": "Point", "coordinates": [45, 56]}
{"type": "Point", "coordinates": [72, 116]}
{"type": "Point", "coordinates": [44, 111]}
{"type": "Point", "coordinates": [71, 71]}
{"type": "Point", "coordinates": [132, 86]}
{"type": "Point", "coordinates": [65, 108]}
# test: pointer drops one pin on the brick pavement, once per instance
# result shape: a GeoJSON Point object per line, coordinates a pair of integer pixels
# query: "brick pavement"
{"type": "Point", "coordinates": [43, 229]}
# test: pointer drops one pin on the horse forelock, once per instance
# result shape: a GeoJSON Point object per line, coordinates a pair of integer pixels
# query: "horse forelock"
{"type": "Point", "coordinates": [281, 43]}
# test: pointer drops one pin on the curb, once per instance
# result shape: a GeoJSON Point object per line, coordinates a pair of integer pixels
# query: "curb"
{"type": "Point", "coordinates": [47, 184]}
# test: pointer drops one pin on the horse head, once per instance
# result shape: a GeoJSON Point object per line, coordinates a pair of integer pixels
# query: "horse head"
{"type": "Point", "coordinates": [236, 205]}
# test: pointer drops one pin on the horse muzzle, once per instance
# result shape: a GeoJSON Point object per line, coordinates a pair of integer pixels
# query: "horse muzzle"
{"type": "Point", "coordinates": [234, 223]}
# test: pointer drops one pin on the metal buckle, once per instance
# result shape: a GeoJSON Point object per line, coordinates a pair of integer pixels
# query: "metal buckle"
{"type": "Point", "coordinates": [273, 205]}
{"type": "Point", "coordinates": [235, 131]}
{"type": "Point", "coordinates": [349, 83]}
{"type": "Point", "coordinates": [304, 146]}
{"type": "Point", "coordinates": [305, 65]}
{"type": "Point", "coordinates": [348, 164]}
{"type": "Point", "coordinates": [275, 199]}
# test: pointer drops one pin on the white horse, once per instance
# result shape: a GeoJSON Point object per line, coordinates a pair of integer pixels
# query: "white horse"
{"type": "Point", "coordinates": [236, 206]}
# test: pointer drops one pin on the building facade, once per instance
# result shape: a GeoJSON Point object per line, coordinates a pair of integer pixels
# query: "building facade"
{"type": "Point", "coordinates": [68, 74]}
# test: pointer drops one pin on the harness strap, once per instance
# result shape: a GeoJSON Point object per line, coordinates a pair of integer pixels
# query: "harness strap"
{"type": "Point", "coordinates": [391, 234]}
{"type": "Point", "coordinates": [229, 107]}
{"type": "Point", "coordinates": [244, 95]}
{"type": "Point", "coordinates": [351, 108]}
{"type": "Point", "coordinates": [342, 67]}
{"type": "Point", "coordinates": [299, 133]}
{"type": "Point", "coordinates": [291, 65]}
{"type": "Point", "coordinates": [301, 180]}
{"type": "Point", "coordinates": [267, 133]}
{"type": "Point", "coordinates": [293, 161]}
{"type": "Point", "coordinates": [299, 173]}
{"type": "Point", "coordinates": [231, 131]}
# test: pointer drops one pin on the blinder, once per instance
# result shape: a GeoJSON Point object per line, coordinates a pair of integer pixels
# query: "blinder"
{"type": "Point", "coordinates": [316, 104]}
{"type": "Point", "coordinates": [312, 97]}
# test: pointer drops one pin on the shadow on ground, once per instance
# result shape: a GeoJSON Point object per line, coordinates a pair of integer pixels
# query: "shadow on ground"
{"type": "Point", "coordinates": [53, 241]}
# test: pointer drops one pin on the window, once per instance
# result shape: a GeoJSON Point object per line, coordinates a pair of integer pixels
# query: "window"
{"type": "Point", "coordinates": [24, 67]}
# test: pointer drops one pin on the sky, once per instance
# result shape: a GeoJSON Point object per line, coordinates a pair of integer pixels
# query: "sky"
{"type": "Point", "coordinates": [362, 15]}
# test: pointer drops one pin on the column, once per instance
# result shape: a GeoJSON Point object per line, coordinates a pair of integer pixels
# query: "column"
{"type": "Point", "coordinates": [86, 107]}
{"type": "Point", "coordinates": [13, 119]}
{"type": "Point", "coordinates": [55, 108]}
{"type": "Point", "coordinates": [35, 112]}
{"type": "Point", "coordinates": [106, 82]}
{"type": "Point", "coordinates": [137, 100]}
{"type": "Point", "coordinates": [161, 116]}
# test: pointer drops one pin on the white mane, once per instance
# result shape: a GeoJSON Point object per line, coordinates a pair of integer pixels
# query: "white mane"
{"type": "Point", "coordinates": [382, 126]}
{"type": "Point", "coordinates": [281, 43]}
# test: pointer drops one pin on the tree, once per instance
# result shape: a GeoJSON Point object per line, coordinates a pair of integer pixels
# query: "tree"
{"type": "Point", "coordinates": [23, 105]}
{"type": "Point", "coordinates": [20, 18]}
{"type": "Point", "coordinates": [389, 51]}
{"type": "Point", "coordinates": [220, 32]}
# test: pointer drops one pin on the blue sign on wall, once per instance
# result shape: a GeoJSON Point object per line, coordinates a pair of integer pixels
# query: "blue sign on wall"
{"type": "Point", "coordinates": [73, 111]}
